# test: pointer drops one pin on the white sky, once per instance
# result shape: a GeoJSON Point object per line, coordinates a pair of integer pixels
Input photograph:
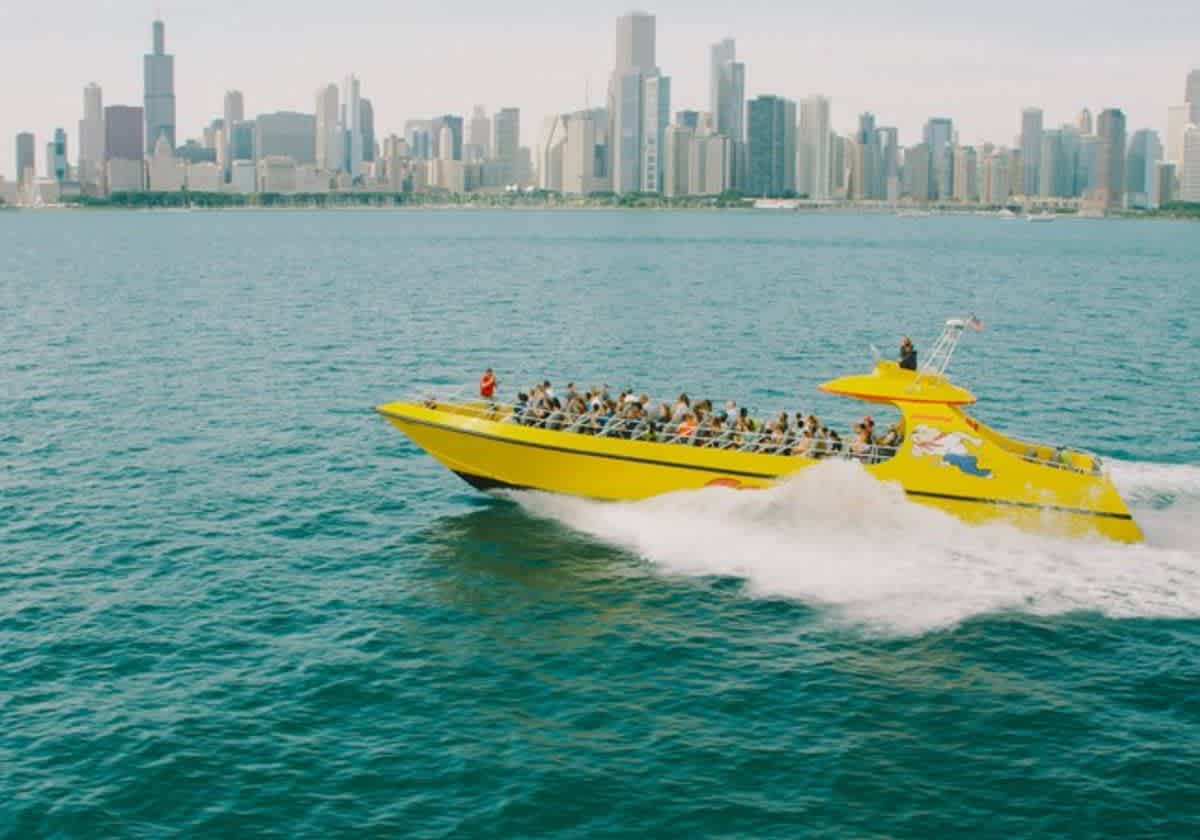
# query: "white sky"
{"type": "Point", "coordinates": [978, 63]}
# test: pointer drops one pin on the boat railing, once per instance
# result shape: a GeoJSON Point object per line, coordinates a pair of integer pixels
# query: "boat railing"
{"type": "Point", "coordinates": [465, 401]}
{"type": "Point", "coordinates": [462, 402]}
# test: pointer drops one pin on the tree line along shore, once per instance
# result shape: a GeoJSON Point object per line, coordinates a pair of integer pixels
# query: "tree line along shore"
{"type": "Point", "coordinates": [146, 200]}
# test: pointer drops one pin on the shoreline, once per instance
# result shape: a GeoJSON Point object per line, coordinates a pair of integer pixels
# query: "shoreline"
{"type": "Point", "coordinates": [900, 211]}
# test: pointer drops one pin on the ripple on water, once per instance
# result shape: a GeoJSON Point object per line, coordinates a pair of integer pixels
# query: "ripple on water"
{"type": "Point", "coordinates": [235, 602]}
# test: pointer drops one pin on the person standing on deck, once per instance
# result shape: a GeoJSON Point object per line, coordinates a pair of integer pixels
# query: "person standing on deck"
{"type": "Point", "coordinates": [908, 354]}
{"type": "Point", "coordinates": [487, 384]}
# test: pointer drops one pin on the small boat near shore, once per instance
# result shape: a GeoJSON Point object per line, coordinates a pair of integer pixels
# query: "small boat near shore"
{"type": "Point", "coordinates": [1044, 216]}
{"type": "Point", "coordinates": [941, 456]}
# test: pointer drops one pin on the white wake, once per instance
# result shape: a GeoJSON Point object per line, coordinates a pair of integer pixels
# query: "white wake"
{"type": "Point", "coordinates": [836, 538]}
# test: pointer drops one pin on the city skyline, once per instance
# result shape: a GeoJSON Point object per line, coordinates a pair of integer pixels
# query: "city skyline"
{"type": "Point", "coordinates": [549, 68]}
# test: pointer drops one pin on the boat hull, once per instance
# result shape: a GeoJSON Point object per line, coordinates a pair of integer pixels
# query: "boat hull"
{"type": "Point", "coordinates": [992, 485]}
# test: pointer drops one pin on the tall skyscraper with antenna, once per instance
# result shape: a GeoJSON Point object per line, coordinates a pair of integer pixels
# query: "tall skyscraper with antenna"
{"type": "Point", "coordinates": [159, 85]}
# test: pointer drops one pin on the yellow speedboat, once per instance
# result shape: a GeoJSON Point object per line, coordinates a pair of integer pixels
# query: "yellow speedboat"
{"type": "Point", "coordinates": [945, 459]}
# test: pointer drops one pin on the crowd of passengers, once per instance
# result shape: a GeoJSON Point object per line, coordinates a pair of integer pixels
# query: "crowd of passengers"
{"type": "Point", "coordinates": [696, 423]}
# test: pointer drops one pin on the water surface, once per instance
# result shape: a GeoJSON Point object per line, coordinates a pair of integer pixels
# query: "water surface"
{"type": "Point", "coordinates": [235, 601]}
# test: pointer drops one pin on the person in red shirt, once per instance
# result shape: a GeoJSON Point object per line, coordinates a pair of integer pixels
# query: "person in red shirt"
{"type": "Point", "coordinates": [487, 384]}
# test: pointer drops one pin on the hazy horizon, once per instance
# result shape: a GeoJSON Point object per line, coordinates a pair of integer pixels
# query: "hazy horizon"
{"type": "Point", "coordinates": [979, 69]}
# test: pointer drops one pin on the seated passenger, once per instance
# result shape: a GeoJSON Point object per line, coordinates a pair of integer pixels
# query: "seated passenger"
{"type": "Point", "coordinates": [773, 441]}
{"type": "Point", "coordinates": [803, 447]}
{"type": "Point", "coordinates": [890, 442]}
{"type": "Point", "coordinates": [682, 406]}
{"type": "Point", "coordinates": [834, 443]}
{"type": "Point", "coordinates": [711, 431]}
{"type": "Point", "coordinates": [860, 447]}
{"type": "Point", "coordinates": [556, 418]}
{"type": "Point", "coordinates": [520, 409]}
{"type": "Point", "coordinates": [687, 428]}
{"type": "Point", "coordinates": [820, 446]}
{"type": "Point", "coordinates": [869, 422]}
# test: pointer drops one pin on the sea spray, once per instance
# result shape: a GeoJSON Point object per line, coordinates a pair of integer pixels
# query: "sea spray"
{"type": "Point", "coordinates": [834, 537]}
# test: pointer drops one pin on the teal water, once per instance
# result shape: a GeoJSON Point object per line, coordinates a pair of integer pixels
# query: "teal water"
{"type": "Point", "coordinates": [234, 602]}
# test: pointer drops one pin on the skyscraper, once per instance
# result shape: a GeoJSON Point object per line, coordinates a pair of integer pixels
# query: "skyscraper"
{"type": "Point", "coordinates": [1084, 121]}
{"type": "Point", "coordinates": [636, 42]}
{"type": "Point", "coordinates": [479, 132]}
{"type": "Point", "coordinates": [865, 165]}
{"type": "Point", "coordinates": [507, 126]}
{"type": "Point", "coordinates": [123, 137]}
{"type": "Point", "coordinates": [1177, 123]}
{"type": "Point", "coordinates": [996, 178]}
{"type": "Point", "coordinates": [329, 145]}
{"type": "Point", "coordinates": [26, 160]}
{"type": "Point", "coordinates": [159, 85]}
{"type": "Point", "coordinates": [286, 134]}
{"type": "Point", "coordinates": [1031, 149]}
{"type": "Point", "coordinates": [91, 137]}
{"type": "Point", "coordinates": [234, 113]}
{"type": "Point", "coordinates": [637, 125]}
{"type": "Point", "coordinates": [656, 117]}
{"type": "Point", "coordinates": [352, 126]}
{"type": "Point", "coordinates": [419, 134]}
{"type": "Point", "coordinates": [727, 99]}
{"type": "Point", "coordinates": [939, 137]}
{"type": "Point", "coordinates": [1189, 173]}
{"type": "Point", "coordinates": [1191, 96]}
{"type": "Point", "coordinates": [1141, 168]}
{"type": "Point", "coordinates": [551, 150]}
{"type": "Point", "coordinates": [241, 142]}
{"type": "Point", "coordinates": [813, 166]}
{"type": "Point", "coordinates": [888, 185]}
{"type": "Point", "coordinates": [455, 124]}
{"type": "Point", "coordinates": [966, 174]}
{"type": "Point", "coordinates": [58, 164]}
{"type": "Point", "coordinates": [1053, 165]}
{"type": "Point", "coordinates": [1059, 175]}
{"type": "Point", "coordinates": [677, 148]}
{"type": "Point", "coordinates": [771, 146]}
{"type": "Point", "coordinates": [584, 152]}
{"type": "Point", "coordinates": [368, 130]}
{"type": "Point", "coordinates": [1110, 181]}
{"type": "Point", "coordinates": [918, 172]}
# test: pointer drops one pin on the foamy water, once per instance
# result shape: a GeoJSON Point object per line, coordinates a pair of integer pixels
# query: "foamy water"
{"type": "Point", "coordinates": [836, 538]}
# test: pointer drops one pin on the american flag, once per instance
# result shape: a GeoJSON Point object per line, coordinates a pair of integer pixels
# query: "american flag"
{"type": "Point", "coordinates": [974, 323]}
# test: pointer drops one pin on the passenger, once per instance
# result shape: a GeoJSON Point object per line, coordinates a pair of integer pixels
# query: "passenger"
{"type": "Point", "coordinates": [908, 354]}
{"type": "Point", "coordinates": [804, 446]}
{"type": "Point", "coordinates": [712, 434]}
{"type": "Point", "coordinates": [521, 409]}
{"type": "Point", "coordinates": [682, 406]}
{"type": "Point", "coordinates": [557, 418]}
{"type": "Point", "coordinates": [860, 447]}
{"type": "Point", "coordinates": [687, 429]}
{"type": "Point", "coordinates": [569, 395]}
{"type": "Point", "coordinates": [777, 440]}
{"type": "Point", "coordinates": [487, 384]}
{"type": "Point", "coordinates": [820, 447]}
{"type": "Point", "coordinates": [835, 443]}
{"type": "Point", "coordinates": [890, 442]}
